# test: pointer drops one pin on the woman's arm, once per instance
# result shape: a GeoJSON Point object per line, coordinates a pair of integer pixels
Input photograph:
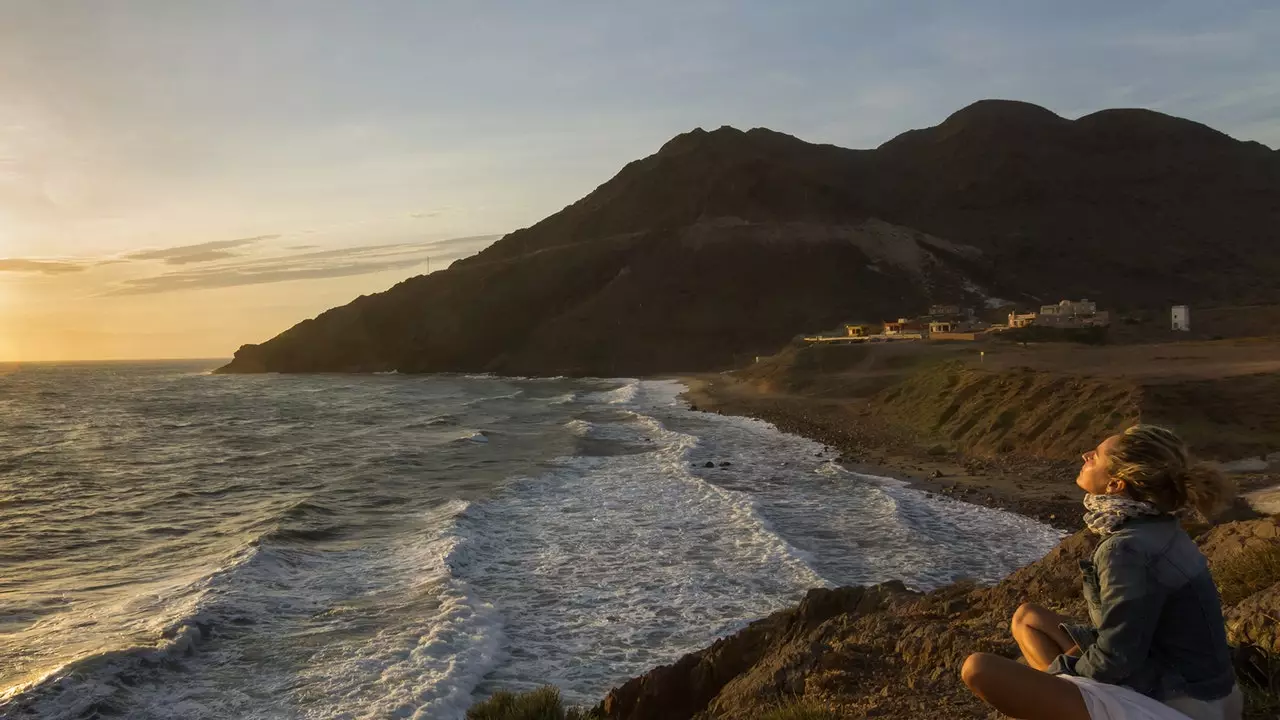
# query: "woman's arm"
{"type": "Point", "coordinates": [1131, 601]}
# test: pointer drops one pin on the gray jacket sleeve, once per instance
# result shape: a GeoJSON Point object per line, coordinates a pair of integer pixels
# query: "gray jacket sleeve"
{"type": "Point", "coordinates": [1130, 604]}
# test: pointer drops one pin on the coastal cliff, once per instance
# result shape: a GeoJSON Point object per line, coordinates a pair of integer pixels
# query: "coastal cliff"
{"type": "Point", "coordinates": [724, 245]}
{"type": "Point", "coordinates": [884, 651]}
{"type": "Point", "coordinates": [1006, 432]}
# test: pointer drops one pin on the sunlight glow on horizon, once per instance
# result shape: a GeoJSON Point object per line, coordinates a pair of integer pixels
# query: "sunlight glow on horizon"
{"type": "Point", "coordinates": [179, 179]}
{"type": "Point", "coordinates": [193, 302]}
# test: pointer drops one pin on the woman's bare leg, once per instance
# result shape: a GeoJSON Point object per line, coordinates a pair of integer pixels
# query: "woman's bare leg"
{"type": "Point", "coordinates": [1038, 636]}
{"type": "Point", "coordinates": [1022, 692]}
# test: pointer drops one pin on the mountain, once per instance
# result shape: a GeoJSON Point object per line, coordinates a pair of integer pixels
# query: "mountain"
{"type": "Point", "coordinates": [726, 244]}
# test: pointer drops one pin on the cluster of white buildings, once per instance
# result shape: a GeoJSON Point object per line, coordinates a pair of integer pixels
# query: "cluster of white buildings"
{"type": "Point", "coordinates": [1085, 313]}
{"type": "Point", "coordinates": [950, 322]}
{"type": "Point", "coordinates": [1065, 314]}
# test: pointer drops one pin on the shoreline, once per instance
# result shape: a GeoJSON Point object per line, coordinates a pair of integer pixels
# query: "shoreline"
{"type": "Point", "coordinates": [1038, 488]}
{"type": "Point", "coordinates": [1043, 490]}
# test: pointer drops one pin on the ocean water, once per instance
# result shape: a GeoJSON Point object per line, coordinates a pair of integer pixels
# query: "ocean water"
{"type": "Point", "coordinates": [175, 544]}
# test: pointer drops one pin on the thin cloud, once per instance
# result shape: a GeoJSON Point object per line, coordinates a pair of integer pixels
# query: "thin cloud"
{"type": "Point", "coordinates": [43, 267]}
{"type": "Point", "coordinates": [200, 253]}
{"type": "Point", "coordinates": [321, 264]}
{"type": "Point", "coordinates": [471, 242]}
{"type": "Point", "coordinates": [234, 278]}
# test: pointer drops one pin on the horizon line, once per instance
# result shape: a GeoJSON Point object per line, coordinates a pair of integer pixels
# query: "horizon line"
{"type": "Point", "coordinates": [85, 361]}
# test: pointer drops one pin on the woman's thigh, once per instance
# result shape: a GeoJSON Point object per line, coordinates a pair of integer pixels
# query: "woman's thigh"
{"type": "Point", "coordinates": [1023, 692]}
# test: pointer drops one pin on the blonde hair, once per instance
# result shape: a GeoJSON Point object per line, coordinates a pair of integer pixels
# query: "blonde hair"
{"type": "Point", "coordinates": [1157, 467]}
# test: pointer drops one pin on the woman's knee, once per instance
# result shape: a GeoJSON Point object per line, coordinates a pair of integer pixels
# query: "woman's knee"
{"type": "Point", "coordinates": [975, 670]}
{"type": "Point", "coordinates": [1025, 616]}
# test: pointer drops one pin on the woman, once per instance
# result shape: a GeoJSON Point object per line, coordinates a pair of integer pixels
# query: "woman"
{"type": "Point", "coordinates": [1156, 640]}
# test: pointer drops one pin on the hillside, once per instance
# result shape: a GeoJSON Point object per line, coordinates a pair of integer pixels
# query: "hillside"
{"type": "Point", "coordinates": [1044, 401]}
{"type": "Point", "coordinates": [724, 245]}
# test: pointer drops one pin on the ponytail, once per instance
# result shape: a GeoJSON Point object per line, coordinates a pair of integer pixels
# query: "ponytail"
{"type": "Point", "coordinates": [1207, 489]}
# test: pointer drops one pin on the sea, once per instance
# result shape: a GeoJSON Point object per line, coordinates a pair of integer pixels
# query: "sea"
{"type": "Point", "coordinates": [179, 544]}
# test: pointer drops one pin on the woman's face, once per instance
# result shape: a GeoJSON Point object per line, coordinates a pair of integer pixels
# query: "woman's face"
{"type": "Point", "coordinates": [1093, 477]}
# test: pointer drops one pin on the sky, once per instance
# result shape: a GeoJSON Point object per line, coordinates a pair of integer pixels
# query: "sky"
{"type": "Point", "coordinates": [178, 178]}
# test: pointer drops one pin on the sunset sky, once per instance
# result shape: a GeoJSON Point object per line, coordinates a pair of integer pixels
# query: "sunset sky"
{"type": "Point", "coordinates": [180, 178]}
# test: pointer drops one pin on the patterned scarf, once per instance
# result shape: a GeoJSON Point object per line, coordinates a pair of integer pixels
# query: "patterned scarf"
{"type": "Point", "coordinates": [1108, 512]}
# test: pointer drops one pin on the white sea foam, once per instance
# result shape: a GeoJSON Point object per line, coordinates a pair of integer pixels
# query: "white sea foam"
{"type": "Point", "coordinates": [579, 428]}
{"type": "Point", "coordinates": [479, 401]}
{"type": "Point", "coordinates": [444, 640]}
{"type": "Point", "coordinates": [436, 640]}
{"type": "Point", "coordinates": [621, 395]}
{"type": "Point", "coordinates": [611, 565]}
{"type": "Point", "coordinates": [860, 529]}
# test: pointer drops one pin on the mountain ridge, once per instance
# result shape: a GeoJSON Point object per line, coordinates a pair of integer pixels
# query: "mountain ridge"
{"type": "Point", "coordinates": [725, 243]}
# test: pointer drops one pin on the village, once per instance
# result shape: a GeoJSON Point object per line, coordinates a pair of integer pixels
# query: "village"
{"type": "Point", "coordinates": [954, 323]}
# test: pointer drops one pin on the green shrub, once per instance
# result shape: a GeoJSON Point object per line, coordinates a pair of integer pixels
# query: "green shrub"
{"type": "Point", "coordinates": [541, 704]}
{"type": "Point", "coordinates": [1042, 333]}
{"type": "Point", "coordinates": [1247, 572]}
{"type": "Point", "coordinates": [1261, 703]}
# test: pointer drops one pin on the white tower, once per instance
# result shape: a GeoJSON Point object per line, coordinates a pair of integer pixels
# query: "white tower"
{"type": "Point", "coordinates": [1182, 318]}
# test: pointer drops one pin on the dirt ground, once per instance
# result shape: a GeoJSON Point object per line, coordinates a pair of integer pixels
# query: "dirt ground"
{"type": "Point", "coordinates": [1154, 363]}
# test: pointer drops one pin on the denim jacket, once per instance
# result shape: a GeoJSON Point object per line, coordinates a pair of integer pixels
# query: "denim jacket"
{"type": "Point", "coordinates": [1157, 615]}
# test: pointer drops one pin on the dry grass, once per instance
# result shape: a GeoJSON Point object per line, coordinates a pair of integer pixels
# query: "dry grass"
{"type": "Point", "coordinates": [1262, 704]}
{"type": "Point", "coordinates": [546, 704]}
{"type": "Point", "coordinates": [1262, 694]}
{"type": "Point", "coordinates": [800, 710]}
{"type": "Point", "coordinates": [1247, 572]}
{"type": "Point", "coordinates": [541, 704]}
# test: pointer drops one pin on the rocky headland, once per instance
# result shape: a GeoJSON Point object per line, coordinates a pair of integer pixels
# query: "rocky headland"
{"type": "Point", "coordinates": [724, 245]}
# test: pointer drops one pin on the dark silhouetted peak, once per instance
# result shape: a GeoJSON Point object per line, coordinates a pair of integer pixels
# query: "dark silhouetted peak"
{"type": "Point", "coordinates": [728, 139]}
{"type": "Point", "coordinates": [1136, 127]}
{"type": "Point", "coordinates": [1002, 113]}
{"type": "Point", "coordinates": [987, 124]}
{"type": "Point", "coordinates": [697, 139]}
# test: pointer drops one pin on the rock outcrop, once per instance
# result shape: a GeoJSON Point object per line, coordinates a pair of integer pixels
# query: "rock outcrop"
{"type": "Point", "coordinates": [724, 245]}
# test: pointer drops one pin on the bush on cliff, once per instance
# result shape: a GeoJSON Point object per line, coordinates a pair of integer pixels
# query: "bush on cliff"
{"type": "Point", "coordinates": [545, 704]}
{"type": "Point", "coordinates": [541, 704]}
{"type": "Point", "coordinates": [1259, 678]}
{"type": "Point", "coordinates": [1039, 333]}
{"type": "Point", "coordinates": [1249, 571]}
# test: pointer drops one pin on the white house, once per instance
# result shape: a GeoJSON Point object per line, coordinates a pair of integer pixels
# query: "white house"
{"type": "Point", "coordinates": [1070, 309]}
{"type": "Point", "coordinates": [1182, 318]}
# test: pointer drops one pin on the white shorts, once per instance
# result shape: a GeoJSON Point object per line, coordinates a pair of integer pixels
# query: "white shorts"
{"type": "Point", "coordinates": [1114, 702]}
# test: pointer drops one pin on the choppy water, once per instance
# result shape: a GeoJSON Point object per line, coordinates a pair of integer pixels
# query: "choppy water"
{"type": "Point", "coordinates": [180, 545]}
